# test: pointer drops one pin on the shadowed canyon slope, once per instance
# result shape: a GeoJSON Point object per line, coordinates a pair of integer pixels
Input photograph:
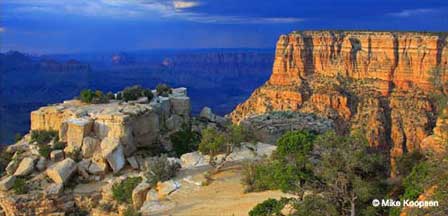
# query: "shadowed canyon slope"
{"type": "Point", "coordinates": [375, 82]}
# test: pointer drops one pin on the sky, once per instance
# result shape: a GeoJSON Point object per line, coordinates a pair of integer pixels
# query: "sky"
{"type": "Point", "coordinates": [74, 26]}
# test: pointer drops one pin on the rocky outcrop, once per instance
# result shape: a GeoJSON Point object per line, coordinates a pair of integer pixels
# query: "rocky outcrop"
{"type": "Point", "coordinates": [377, 83]}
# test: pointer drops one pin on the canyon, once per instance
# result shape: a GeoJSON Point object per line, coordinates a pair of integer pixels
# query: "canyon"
{"type": "Point", "coordinates": [377, 83]}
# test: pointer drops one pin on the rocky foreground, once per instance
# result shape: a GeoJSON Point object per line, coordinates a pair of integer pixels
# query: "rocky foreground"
{"type": "Point", "coordinates": [95, 147]}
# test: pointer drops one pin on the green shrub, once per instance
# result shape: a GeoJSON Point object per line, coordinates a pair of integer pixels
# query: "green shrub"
{"type": "Point", "coordinates": [132, 93]}
{"type": "Point", "coordinates": [95, 97]}
{"type": "Point", "coordinates": [288, 169]}
{"type": "Point", "coordinates": [43, 136]}
{"type": "Point", "coordinates": [269, 207]}
{"type": "Point", "coordinates": [122, 192]}
{"type": "Point", "coordinates": [19, 186]}
{"type": "Point", "coordinates": [17, 137]}
{"type": "Point", "coordinates": [44, 150]}
{"type": "Point", "coordinates": [160, 169]}
{"type": "Point", "coordinates": [163, 90]}
{"type": "Point", "coordinates": [185, 141]}
{"type": "Point", "coordinates": [131, 212]}
{"type": "Point", "coordinates": [414, 183]}
{"type": "Point", "coordinates": [315, 205]}
{"type": "Point", "coordinates": [86, 96]}
{"type": "Point", "coordinates": [58, 145]}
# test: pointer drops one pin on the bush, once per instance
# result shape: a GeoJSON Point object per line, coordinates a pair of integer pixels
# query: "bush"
{"type": "Point", "coordinates": [19, 186]}
{"type": "Point", "coordinates": [17, 137]}
{"type": "Point", "coordinates": [86, 96]}
{"type": "Point", "coordinates": [163, 90]}
{"type": "Point", "coordinates": [90, 96]}
{"type": "Point", "coordinates": [288, 169]}
{"type": "Point", "coordinates": [43, 136]}
{"type": "Point", "coordinates": [135, 92]}
{"type": "Point", "coordinates": [160, 169]}
{"type": "Point", "coordinates": [414, 183]}
{"type": "Point", "coordinates": [185, 141]}
{"type": "Point", "coordinates": [315, 205]}
{"type": "Point", "coordinates": [122, 192]}
{"type": "Point", "coordinates": [44, 150]}
{"type": "Point", "coordinates": [212, 142]}
{"type": "Point", "coordinates": [269, 207]}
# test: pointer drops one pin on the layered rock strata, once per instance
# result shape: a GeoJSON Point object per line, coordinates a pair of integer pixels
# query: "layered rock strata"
{"type": "Point", "coordinates": [378, 83]}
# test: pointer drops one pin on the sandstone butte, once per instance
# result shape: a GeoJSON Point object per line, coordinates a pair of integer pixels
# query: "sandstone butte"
{"type": "Point", "coordinates": [378, 83]}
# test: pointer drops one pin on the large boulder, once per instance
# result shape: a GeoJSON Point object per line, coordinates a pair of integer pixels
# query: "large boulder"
{"type": "Point", "coordinates": [193, 159]}
{"type": "Point", "coordinates": [12, 166]}
{"type": "Point", "coordinates": [26, 167]}
{"type": "Point", "coordinates": [57, 155]}
{"type": "Point", "coordinates": [89, 146]}
{"type": "Point", "coordinates": [41, 164]}
{"type": "Point", "coordinates": [167, 187]}
{"type": "Point", "coordinates": [77, 129]}
{"type": "Point", "coordinates": [112, 151]}
{"type": "Point", "coordinates": [207, 113]}
{"type": "Point", "coordinates": [139, 194]}
{"type": "Point", "coordinates": [7, 183]}
{"type": "Point", "coordinates": [62, 171]}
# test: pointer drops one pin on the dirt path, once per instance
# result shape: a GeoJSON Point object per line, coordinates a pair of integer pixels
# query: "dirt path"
{"type": "Point", "coordinates": [224, 196]}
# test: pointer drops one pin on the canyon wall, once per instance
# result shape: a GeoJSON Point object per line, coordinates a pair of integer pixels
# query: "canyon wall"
{"type": "Point", "coordinates": [378, 83]}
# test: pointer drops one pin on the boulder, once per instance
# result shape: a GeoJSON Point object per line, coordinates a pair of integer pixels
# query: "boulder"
{"type": "Point", "coordinates": [193, 159]}
{"type": "Point", "coordinates": [57, 155]}
{"type": "Point", "coordinates": [206, 113]}
{"type": "Point", "coordinates": [152, 195]}
{"type": "Point", "coordinates": [156, 207]}
{"type": "Point", "coordinates": [166, 188]}
{"type": "Point", "coordinates": [26, 167]}
{"type": "Point", "coordinates": [89, 146]}
{"type": "Point", "coordinates": [54, 189]}
{"type": "Point", "coordinates": [264, 149]}
{"type": "Point", "coordinates": [181, 105]}
{"type": "Point", "coordinates": [18, 147]}
{"type": "Point", "coordinates": [62, 171]}
{"type": "Point", "coordinates": [133, 162]}
{"type": "Point", "coordinates": [77, 129]}
{"type": "Point", "coordinates": [139, 194]}
{"type": "Point", "coordinates": [12, 166]}
{"type": "Point", "coordinates": [41, 164]}
{"type": "Point", "coordinates": [7, 183]}
{"type": "Point", "coordinates": [97, 167]}
{"type": "Point", "coordinates": [112, 151]}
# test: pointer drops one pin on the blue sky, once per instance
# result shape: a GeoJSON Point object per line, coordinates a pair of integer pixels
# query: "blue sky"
{"type": "Point", "coordinates": [71, 26]}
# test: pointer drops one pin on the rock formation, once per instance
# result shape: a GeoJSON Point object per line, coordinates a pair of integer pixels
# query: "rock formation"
{"type": "Point", "coordinates": [378, 83]}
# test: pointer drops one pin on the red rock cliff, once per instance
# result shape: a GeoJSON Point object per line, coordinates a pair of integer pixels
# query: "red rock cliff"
{"type": "Point", "coordinates": [375, 82]}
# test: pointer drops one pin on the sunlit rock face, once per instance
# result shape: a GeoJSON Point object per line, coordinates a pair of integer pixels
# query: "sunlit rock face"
{"type": "Point", "coordinates": [377, 83]}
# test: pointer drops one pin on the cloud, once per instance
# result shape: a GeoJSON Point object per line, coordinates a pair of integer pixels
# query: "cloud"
{"type": "Point", "coordinates": [2, 29]}
{"type": "Point", "coordinates": [413, 12]}
{"type": "Point", "coordinates": [137, 9]}
{"type": "Point", "coordinates": [184, 4]}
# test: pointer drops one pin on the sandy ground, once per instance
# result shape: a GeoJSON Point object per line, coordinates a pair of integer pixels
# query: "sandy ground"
{"type": "Point", "coordinates": [224, 196]}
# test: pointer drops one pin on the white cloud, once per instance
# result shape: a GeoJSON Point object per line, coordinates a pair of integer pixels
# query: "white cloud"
{"type": "Point", "coordinates": [413, 12]}
{"type": "Point", "coordinates": [184, 4]}
{"type": "Point", "coordinates": [137, 9]}
{"type": "Point", "coordinates": [2, 29]}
